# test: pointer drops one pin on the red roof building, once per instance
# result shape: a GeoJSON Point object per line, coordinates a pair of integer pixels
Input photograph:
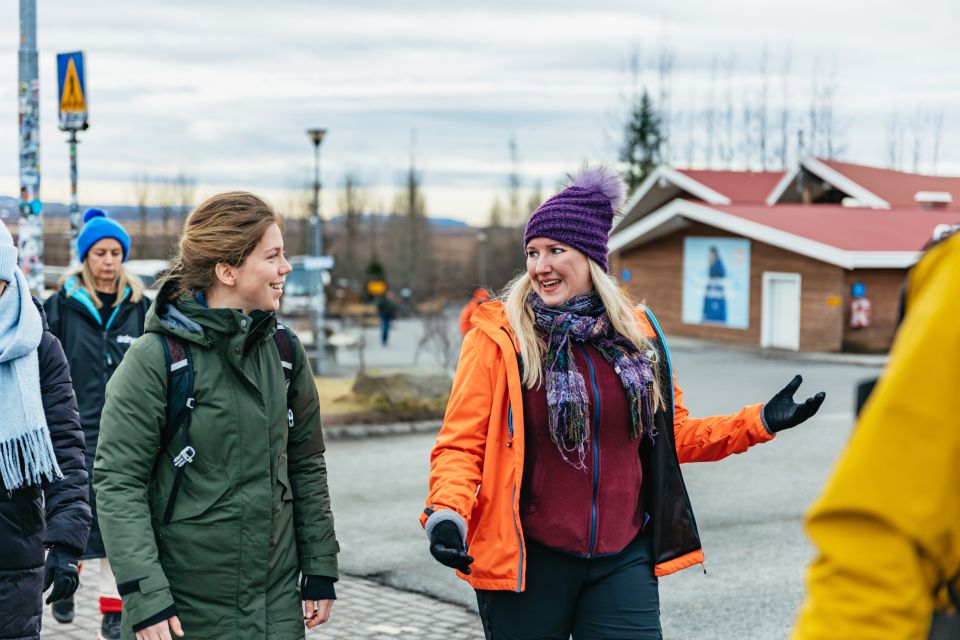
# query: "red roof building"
{"type": "Point", "coordinates": [780, 259]}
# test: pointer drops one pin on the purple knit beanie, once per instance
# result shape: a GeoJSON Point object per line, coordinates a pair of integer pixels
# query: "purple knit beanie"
{"type": "Point", "coordinates": [581, 215]}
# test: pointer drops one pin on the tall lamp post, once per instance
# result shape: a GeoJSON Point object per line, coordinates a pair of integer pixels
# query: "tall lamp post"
{"type": "Point", "coordinates": [316, 250]}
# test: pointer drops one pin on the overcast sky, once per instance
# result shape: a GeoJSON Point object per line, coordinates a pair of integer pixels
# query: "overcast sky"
{"type": "Point", "coordinates": [223, 90]}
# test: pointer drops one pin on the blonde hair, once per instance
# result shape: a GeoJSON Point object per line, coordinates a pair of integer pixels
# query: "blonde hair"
{"type": "Point", "coordinates": [224, 228]}
{"type": "Point", "coordinates": [533, 348]}
{"type": "Point", "coordinates": [84, 276]}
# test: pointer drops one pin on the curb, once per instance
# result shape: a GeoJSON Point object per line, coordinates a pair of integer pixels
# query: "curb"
{"type": "Point", "coordinates": [357, 431]}
{"type": "Point", "coordinates": [685, 344]}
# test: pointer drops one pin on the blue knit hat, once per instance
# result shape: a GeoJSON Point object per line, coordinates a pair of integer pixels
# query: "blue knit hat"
{"type": "Point", "coordinates": [97, 225]}
{"type": "Point", "coordinates": [8, 254]}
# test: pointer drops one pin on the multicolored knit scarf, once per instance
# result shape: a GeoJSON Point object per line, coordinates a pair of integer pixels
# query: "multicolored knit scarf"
{"type": "Point", "coordinates": [583, 318]}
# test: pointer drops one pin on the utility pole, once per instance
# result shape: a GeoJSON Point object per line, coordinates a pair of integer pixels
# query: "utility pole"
{"type": "Point", "coordinates": [30, 231]}
{"type": "Point", "coordinates": [72, 101]}
{"type": "Point", "coordinates": [316, 250]}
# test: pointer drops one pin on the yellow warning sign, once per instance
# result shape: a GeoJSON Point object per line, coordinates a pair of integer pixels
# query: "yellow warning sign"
{"type": "Point", "coordinates": [72, 100]}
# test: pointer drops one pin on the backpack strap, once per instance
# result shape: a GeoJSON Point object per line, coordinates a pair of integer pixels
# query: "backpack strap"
{"type": "Point", "coordinates": [180, 404]}
{"type": "Point", "coordinates": [284, 342]}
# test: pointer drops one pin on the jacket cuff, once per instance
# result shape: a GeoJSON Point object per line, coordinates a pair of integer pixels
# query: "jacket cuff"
{"type": "Point", "coordinates": [321, 562]}
{"type": "Point", "coordinates": [318, 588]}
{"type": "Point", "coordinates": [445, 515]}
{"type": "Point", "coordinates": [146, 598]}
{"type": "Point", "coordinates": [763, 419]}
{"type": "Point", "coordinates": [167, 613]}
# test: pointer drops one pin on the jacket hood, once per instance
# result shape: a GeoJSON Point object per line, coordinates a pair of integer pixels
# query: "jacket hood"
{"type": "Point", "coordinates": [491, 318]}
{"type": "Point", "coordinates": [189, 320]}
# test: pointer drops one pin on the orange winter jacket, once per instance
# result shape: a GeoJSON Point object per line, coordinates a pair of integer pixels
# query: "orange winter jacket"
{"type": "Point", "coordinates": [477, 462]}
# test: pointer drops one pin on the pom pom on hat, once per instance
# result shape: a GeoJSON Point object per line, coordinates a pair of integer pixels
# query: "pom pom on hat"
{"type": "Point", "coordinates": [91, 213]}
{"type": "Point", "coordinates": [97, 225]}
{"type": "Point", "coordinates": [582, 214]}
{"type": "Point", "coordinates": [603, 180]}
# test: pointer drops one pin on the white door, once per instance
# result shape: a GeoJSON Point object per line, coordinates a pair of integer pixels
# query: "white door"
{"type": "Point", "coordinates": [780, 311]}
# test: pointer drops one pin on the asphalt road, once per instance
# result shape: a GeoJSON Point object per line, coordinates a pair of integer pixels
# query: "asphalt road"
{"type": "Point", "coordinates": [749, 507]}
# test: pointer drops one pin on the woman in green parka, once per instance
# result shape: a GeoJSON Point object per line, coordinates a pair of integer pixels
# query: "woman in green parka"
{"type": "Point", "coordinates": [251, 519]}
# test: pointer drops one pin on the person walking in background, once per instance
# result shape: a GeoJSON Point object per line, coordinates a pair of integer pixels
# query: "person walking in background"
{"type": "Point", "coordinates": [887, 527]}
{"type": "Point", "coordinates": [387, 310]}
{"type": "Point", "coordinates": [211, 528]}
{"type": "Point", "coordinates": [97, 314]}
{"type": "Point", "coordinates": [480, 295]}
{"type": "Point", "coordinates": [555, 484]}
{"type": "Point", "coordinates": [43, 480]}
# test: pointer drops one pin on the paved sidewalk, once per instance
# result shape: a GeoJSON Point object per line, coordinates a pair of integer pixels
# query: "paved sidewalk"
{"type": "Point", "coordinates": [364, 609]}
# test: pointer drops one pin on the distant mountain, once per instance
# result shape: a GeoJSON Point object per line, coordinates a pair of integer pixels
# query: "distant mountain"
{"type": "Point", "coordinates": [9, 208]}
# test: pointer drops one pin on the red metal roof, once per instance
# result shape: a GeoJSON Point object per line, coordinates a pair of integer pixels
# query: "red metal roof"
{"type": "Point", "coordinates": [740, 186]}
{"type": "Point", "coordinates": [896, 187]}
{"type": "Point", "coordinates": [850, 229]}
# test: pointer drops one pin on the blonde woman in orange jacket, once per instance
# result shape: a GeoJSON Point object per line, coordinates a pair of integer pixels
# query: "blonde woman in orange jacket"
{"type": "Point", "coordinates": [555, 485]}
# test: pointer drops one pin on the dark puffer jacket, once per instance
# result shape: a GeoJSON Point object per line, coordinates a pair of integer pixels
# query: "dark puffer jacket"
{"type": "Point", "coordinates": [23, 535]}
{"type": "Point", "coordinates": [94, 352]}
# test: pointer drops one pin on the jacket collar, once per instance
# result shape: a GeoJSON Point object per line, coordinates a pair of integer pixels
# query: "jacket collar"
{"type": "Point", "coordinates": [75, 291]}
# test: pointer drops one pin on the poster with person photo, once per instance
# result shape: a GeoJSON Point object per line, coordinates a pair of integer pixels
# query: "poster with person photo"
{"type": "Point", "coordinates": [716, 282]}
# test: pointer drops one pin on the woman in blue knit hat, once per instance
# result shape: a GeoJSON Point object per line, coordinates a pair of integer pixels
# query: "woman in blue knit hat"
{"type": "Point", "coordinates": [555, 483]}
{"type": "Point", "coordinates": [97, 314]}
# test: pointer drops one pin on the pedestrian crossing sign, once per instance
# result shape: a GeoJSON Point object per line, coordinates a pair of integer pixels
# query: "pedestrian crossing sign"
{"type": "Point", "coordinates": [72, 91]}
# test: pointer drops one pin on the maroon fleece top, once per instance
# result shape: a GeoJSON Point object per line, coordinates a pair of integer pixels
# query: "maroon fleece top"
{"type": "Point", "coordinates": [589, 512]}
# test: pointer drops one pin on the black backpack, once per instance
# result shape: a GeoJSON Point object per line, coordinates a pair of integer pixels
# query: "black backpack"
{"type": "Point", "coordinates": [180, 401]}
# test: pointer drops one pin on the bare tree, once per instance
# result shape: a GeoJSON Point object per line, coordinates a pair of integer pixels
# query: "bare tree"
{"type": "Point", "coordinates": [535, 199]}
{"type": "Point", "coordinates": [514, 215]}
{"type": "Point", "coordinates": [665, 64]}
{"type": "Point", "coordinates": [352, 202]}
{"type": "Point", "coordinates": [726, 147]}
{"type": "Point", "coordinates": [763, 108]}
{"type": "Point", "coordinates": [710, 115]}
{"type": "Point", "coordinates": [747, 143]}
{"type": "Point", "coordinates": [184, 187]}
{"type": "Point", "coordinates": [917, 134]}
{"type": "Point", "coordinates": [409, 231]}
{"type": "Point", "coordinates": [784, 148]}
{"type": "Point", "coordinates": [936, 124]}
{"type": "Point", "coordinates": [824, 130]}
{"type": "Point", "coordinates": [895, 141]}
{"type": "Point", "coordinates": [141, 195]}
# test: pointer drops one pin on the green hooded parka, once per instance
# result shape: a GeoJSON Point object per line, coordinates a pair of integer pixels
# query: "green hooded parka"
{"type": "Point", "coordinates": [253, 510]}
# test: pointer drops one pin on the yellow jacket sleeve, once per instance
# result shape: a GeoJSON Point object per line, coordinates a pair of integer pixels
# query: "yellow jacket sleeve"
{"type": "Point", "coordinates": [887, 527]}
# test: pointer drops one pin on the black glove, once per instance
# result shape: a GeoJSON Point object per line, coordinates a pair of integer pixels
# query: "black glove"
{"type": "Point", "coordinates": [60, 570]}
{"type": "Point", "coordinates": [783, 413]}
{"type": "Point", "coordinates": [446, 546]}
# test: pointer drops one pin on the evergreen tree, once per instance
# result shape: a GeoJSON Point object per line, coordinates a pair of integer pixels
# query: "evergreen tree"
{"type": "Point", "coordinates": [643, 142]}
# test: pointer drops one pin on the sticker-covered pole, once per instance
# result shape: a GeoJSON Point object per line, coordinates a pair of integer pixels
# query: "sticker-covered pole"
{"type": "Point", "coordinates": [30, 229]}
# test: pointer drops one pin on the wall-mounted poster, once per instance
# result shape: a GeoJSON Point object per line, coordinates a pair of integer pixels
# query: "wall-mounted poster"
{"type": "Point", "coordinates": [716, 282]}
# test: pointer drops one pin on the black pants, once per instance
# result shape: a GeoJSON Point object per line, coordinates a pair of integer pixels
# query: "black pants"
{"type": "Point", "coordinates": [615, 597]}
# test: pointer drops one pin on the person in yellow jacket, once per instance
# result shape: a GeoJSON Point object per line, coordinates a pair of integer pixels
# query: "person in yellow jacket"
{"type": "Point", "coordinates": [887, 527]}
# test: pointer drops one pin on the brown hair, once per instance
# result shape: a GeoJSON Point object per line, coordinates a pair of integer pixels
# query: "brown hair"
{"type": "Point", "coordinates": [224, 228]}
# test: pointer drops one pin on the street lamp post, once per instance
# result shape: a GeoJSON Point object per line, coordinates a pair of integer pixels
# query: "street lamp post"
{"type": "Point", "coordinates": [316, 250]}
{"type": "Point", "coordinates": [482, 258]}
